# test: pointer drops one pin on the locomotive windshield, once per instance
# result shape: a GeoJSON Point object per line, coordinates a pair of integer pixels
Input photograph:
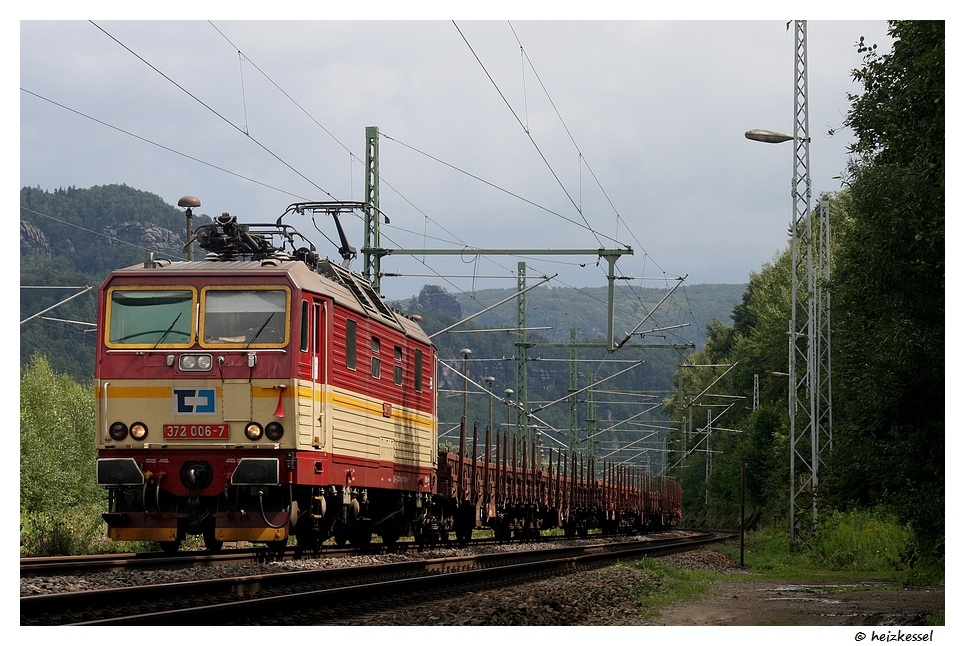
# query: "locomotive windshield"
{"type": "Point", "coordinates": [244, 316]}
{"type": "Point", "coordinates": [150, 317]}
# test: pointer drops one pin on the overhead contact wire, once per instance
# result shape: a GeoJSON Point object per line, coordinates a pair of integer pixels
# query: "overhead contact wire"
{"type": "Point", "coordinates": [212, 110]}
{"type": "Point", "coordinates": [530, 136]}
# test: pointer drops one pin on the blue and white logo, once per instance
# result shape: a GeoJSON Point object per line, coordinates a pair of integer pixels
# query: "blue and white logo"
{"type": "Point", "coordinates": [194, 400]}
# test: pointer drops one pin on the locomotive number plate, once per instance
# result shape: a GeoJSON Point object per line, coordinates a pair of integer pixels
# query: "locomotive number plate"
{"type": "Point", "coordinates": [195, 431]}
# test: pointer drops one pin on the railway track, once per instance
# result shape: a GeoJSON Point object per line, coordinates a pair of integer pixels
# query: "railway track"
{"type": "Point", "coordinates": [81, 564]}
{"type": "Point", "coordinates": [78, 565]}
{"type": "Point", "coordinates": [321, 596]}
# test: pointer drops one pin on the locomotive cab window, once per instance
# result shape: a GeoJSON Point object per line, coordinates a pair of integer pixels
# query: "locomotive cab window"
{"type": "Point", "coordinates": [150, 317]}
{"type": "Point", "coordinates": [249, 317]}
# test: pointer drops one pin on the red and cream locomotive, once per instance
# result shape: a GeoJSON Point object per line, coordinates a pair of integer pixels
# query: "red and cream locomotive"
{"type": "Point", "coordinates": [260, 392]}
{"type": "Point", "coordinates": [264, 392]}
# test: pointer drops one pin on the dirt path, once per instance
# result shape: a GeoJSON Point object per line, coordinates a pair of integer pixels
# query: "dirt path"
{"type": "Point", "coordinates": [753, 601]}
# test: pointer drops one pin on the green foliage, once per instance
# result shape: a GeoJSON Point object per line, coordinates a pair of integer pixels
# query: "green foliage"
{"type": "Point", "coordinates": [900, 117]}
{"type": "Point", "coordinates": [60, 502]}
{"type": "Point", "coordinates": [889, 290]}
{"type": "Point", "coordinates": [57, 453]}
{"type": "Point", "coordinates": [721, 381]}
{"type": "Point", "coordinates": [869, 542]}
{"type": "Point", "coordinates": [76, 530]}
{"type": "Point", "coordinates": [863, 541]}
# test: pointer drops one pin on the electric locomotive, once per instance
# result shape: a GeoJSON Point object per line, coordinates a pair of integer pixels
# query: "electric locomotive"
{"type": "Point", "coordinates": [261, 392]}
{"type": "Point", "coordinates": [265, 391]}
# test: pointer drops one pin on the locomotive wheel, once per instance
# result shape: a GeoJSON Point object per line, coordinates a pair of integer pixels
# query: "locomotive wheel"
{"type": "Point", "coordinates": [210, 543]}
{"type": "Point", "coordinates": [465, 522]}
{"type": "Point", "coordinates": [360, 537]}
{"type": "Point", "coordinates": [306, 536]}
{"type": "Point", "coordinates": [278, 547]}
{"type": "Point", "coordinates": [391, 537]}
{"type": "Point", "coordinates": [170, 547]}
{"type": "Point", "coordinates": [463, 532]}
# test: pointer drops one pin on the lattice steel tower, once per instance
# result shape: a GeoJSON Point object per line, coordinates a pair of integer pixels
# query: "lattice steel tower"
{"type": "Point", "coordinates": [809, 352]}
{"type": "Point", "coordinates": [809, 330]}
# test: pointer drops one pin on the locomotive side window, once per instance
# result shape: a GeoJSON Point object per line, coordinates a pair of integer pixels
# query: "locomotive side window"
{"type": "Point", "coordinates": [398, 368]}
{"type": "Point", "coordinates": [376, 362]}
{"type": "Point", "coordinates": [418, 371]}
{"type": "Point", "coordinates": [244, 316]}
{"type": "Point", "coordinates": [150, 317]}
{"type": "Point", "coordinates": [351, 341]}
{"type": "Point", "coordinates": [303, 345]}
{"type": "Point", "coordinates": [376, 368]}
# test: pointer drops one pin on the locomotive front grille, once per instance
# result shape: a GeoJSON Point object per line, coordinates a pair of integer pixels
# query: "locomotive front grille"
{"type": "Point", "coordinates": [118, 471]}
{"type": "Point", "coordinates": [256, 471]}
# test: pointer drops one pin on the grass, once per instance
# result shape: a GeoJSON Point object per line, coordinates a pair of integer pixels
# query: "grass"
{"type": "Point", "coordinates": [665, 585]}
{"type": "Point", "coordinates": [863, 545]}
{"type": "Point", "coordinates": [867, 544]}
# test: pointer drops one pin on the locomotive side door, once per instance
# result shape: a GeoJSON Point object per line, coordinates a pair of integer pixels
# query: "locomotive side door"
{"type": "Point", "coordinates": [313, 369]}
{"type": "Point", "coordinates": [319, 374]}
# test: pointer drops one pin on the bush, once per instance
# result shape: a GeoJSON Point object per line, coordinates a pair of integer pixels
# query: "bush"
{"type": "Point", "coordinates": [867, 541]}
{"type": "Point", "coordinates": [73, 531]}
{"type": "Point", "coordinates": [60, 502]}
{"type": "Point", "coordinates": [853, 541]}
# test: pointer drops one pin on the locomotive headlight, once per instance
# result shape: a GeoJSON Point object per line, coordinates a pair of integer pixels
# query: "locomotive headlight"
{"type": "Point", "coordinates": [194, 362]}
{"type": "Point", "coordinates": [274, 431]}
{"type": "Point", "coordinates": [253, 431]}
{"type": "Point", "coordinates": [118, 431]}
{"type": "Point", "coordinates": [138, 431]}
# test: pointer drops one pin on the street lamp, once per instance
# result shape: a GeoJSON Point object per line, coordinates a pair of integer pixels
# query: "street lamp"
{"type": "Point", "coordinates": [489, 382]}
{"type": "Point", "coordinates": [509, 408]}
{"type": "Point", "coordinates": [768, 136]}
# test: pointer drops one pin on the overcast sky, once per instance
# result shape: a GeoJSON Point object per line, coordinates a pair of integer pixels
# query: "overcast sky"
{"type": "Point", "coordinates": [496, 134]}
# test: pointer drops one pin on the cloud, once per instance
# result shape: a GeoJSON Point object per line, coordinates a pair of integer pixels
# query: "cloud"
{"type": "Point", "coordinates": [530, 134]}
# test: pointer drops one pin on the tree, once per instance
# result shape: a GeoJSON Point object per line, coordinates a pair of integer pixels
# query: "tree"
{"type": "Point", "coordinates": [756, 344]}
{"type": "Point", "coordinates": [57, 454]}
{"type": "Point", "coordinates": [888, 288]}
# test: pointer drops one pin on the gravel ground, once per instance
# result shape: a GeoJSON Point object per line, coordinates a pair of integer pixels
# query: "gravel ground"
{"type": "Point", "coordinates": [101, 580]}
{"type": "Point", "coordinates": [603, 597]}
{"type": "Point", "coordinates": [609, 597]}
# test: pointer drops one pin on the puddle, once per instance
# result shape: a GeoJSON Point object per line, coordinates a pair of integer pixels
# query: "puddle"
{"type": "Point", "coordinates": [812, 599]}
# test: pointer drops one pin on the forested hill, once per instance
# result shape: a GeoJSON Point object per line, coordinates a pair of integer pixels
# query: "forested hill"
{"type": "Point", "coordinates": [675, 315]}
{"type": "Point", "coordinates": [72, 238]}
